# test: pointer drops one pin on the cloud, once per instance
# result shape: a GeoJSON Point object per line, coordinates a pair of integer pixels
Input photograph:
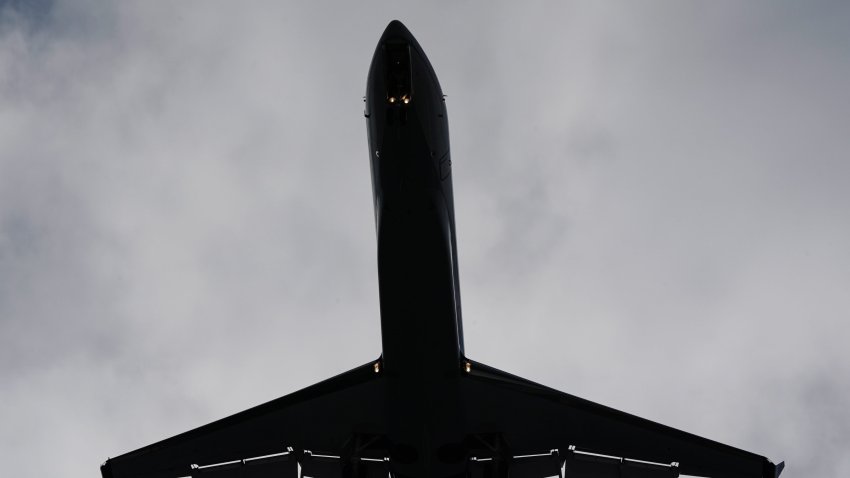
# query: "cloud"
{"type": "Point", "coordinates": [651, 213]}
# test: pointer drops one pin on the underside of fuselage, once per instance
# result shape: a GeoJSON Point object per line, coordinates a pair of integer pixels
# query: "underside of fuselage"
{"type": "Point", "coordinates": [417, 260]}
{"type": "Point", "coordinates": [414, 214]}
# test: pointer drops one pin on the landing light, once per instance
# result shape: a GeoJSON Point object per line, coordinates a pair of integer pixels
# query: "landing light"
{"type": "Point", "coordinates": [405, 99]}
{"type": "Point", "coordinates": [467, 366]}
{"type": "Point", "coordinates": [377, 367]}
{"type": "Point", "coordinates": [392, 99]}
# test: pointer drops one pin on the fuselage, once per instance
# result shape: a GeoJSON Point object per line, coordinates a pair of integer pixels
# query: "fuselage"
{"type": "Point", "coordinates": [414, 209]}
{"type": "Point", "coordinates": [421, 330]}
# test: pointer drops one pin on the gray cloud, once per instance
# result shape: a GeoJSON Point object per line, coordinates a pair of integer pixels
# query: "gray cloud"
{"type": "Point", "coordinates": [651, 200]}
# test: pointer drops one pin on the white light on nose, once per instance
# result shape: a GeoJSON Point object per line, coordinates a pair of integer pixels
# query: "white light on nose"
{"type": "Point", "coordinates": [392, 99]}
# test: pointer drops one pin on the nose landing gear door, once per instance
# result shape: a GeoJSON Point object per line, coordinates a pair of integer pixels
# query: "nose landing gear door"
{"type": "Point", "coordinates": [399, 74]}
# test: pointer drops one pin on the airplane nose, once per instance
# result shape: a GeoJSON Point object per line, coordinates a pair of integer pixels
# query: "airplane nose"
{"type": "Point", "coordinates": [397, 43]}
{"type": "Point", "coordinates": [396, 32]}
{"type": "Point", "coordinates": [400, 74]}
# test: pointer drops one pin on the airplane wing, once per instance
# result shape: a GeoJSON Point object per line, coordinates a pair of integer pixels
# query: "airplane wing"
{"type": "Point", "coordinates": [516, 428]}
{"type": "Point", "coordinates": [532, 431]}
{"type": "Point", "coordinates": [258, 442]}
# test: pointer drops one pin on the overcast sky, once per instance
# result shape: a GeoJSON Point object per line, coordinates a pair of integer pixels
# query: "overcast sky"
{"type": "Point", "coordinates": [653, 212]}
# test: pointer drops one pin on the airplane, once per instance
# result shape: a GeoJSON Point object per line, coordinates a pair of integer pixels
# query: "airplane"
{"type": "Point", "coordinates": [424, 409]}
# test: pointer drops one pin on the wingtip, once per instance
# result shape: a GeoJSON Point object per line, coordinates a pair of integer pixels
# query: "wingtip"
{"type": "Point", "coordinates": [106, 469]}
{"type": "Point", "coordinates": [772, 470]}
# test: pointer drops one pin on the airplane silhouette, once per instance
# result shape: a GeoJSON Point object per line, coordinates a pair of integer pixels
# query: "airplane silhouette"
{"type": "Point", "coordinates": [423, 409]}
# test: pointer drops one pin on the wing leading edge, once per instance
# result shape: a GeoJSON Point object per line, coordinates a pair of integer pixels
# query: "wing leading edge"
{"type": "Point", "coordinates": [316, 423]}
{"type": "Point", "coordinates": [523, 419]}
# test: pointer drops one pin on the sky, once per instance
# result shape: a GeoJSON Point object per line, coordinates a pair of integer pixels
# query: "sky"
{"type": "Point", "coordinates": [652, 204]}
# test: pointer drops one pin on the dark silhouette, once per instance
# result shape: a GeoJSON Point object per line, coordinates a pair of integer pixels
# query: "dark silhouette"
{"type": "Point", "coordinates": [423, 409]}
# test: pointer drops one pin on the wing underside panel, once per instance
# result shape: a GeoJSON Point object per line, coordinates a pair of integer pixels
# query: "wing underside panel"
{"type": "Point", "coordinates": [591, 439]}
{"type": "Point", "coordinates": [318, 421]}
